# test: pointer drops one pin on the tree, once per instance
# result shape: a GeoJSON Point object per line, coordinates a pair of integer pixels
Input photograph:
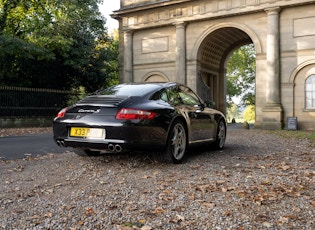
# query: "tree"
{"type": "Point", "coordinates": [233, 112]}
{"type": "Point", "coordinates": [55, 44]}
{"type": "Point", "coordinates": [111, 60]}
{"type": "Point", "coordinates": [241, 75]}
{"type": "Point", "coordinates": [249, 113]}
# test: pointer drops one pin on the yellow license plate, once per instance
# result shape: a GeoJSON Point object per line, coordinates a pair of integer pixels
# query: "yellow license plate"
{"type": "Point", "coordinates": [87, 132]}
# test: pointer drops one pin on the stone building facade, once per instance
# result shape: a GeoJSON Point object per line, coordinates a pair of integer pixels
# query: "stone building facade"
{"type": "Point", "coordinates": [189, 41]}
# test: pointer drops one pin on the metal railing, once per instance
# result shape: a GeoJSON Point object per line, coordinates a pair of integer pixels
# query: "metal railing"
{"type": "Point", "coordinates": [32, 102]}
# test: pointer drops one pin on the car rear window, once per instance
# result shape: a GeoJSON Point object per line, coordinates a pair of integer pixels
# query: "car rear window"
{"type": "Point", "coordinates": [129, 90]}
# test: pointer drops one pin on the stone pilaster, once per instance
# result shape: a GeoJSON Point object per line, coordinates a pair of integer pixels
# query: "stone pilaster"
{"type": "Point", "coordinates": [128, 57]}
{"type": "Point", "coordinates": [272, 111]}
{"type": "Point", "coordinates": [181, 52]}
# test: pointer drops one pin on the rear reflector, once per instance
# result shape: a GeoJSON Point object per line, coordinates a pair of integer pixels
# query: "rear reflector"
{"type": "Point", "coordinates": [130, 114]}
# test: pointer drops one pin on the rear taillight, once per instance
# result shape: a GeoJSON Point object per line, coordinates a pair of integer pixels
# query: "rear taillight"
{"type": "Point", "coordinates": [130, 114]}
{"type": "Point", "coordinates": [62, 113]}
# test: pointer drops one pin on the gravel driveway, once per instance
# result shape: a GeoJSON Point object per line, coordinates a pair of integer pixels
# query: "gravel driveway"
{"type": "Point", "coordinates": [259, 181]}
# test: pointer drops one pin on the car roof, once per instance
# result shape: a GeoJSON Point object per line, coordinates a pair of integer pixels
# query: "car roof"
{"type": "Point", "coordinates": [162, 84]}
{"type": "Point", "coordinates": [135, 88]}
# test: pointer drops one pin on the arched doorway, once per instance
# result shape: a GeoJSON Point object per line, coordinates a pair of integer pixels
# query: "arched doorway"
{"type": "Point", "coordinates": [212, 57]}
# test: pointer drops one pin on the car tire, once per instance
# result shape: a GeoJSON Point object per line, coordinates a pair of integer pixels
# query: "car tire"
{"type": "Point", "coordinates": [176, 144]}
{"type": "Point", "coordinates": [221, 135]}
{"type": "Point", "coordinates": [85, 152]}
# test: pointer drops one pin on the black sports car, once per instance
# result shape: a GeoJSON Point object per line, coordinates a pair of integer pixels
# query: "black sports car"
{"type": "Point", "coordinates": [160, 117]}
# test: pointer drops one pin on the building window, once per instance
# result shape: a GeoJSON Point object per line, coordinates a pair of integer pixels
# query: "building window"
{"type": "Point", "coordinates": [310, 92]}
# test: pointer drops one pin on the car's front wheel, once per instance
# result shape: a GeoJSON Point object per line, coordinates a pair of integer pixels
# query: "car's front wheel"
{"type": "Point", "coordinates": [221, 135]}
{"type": "Point", "coordinates": [176, 144]}
{"type": "Point", "coordinates": [85, 152]}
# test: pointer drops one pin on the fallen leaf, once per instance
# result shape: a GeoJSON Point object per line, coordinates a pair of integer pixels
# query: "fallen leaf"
{"type": "Point", "coordinates": [209, 205]}
{"type": "Point", "coordinates": [220, 181]}
{"type": "Point", "coordinates": [285, 167]}
{"type": "Point", "coordinates": [231, 188]}
{"type": "Point", "coordinates": [145, 177]}
{"type": "Point", "coordinates": [142, 221]}
{"type": "Point", "coordinates": [283, 220]}
{"type": "Point", "coordinates": [227, 213]}
{"type": "Point", "coordinates": [89, 211]}
{"type": "Point", "coordinates": [48, 215]}
{"type": "Point", "coordinates": [179, 209]}
{"type": "Point", "coordinates": [197, 166]}
{"type": "Point", "coordinates": [267, 225]}
{"type": "Point", "coordinates": [167, 191]}
{"type": "Point", "coordinates": [180, 218]}
{"type": "Point", "coordinates": [35, 217]}
{"type": "Point", "coordinates": [159, 210]}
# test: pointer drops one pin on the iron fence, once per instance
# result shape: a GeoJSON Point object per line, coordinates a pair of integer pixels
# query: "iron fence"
{"type": "Point", "coordinates": [32, 102]}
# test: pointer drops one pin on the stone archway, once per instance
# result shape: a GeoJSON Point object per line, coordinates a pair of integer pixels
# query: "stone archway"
{"type": "Point", "coordinates": [213, 50]}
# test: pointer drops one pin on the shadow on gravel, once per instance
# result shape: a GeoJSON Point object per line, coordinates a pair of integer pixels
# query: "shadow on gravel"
{"type": "Point", "coordinates": [139, 159]}
{"type": "Point", "coordinates": [234, 148]}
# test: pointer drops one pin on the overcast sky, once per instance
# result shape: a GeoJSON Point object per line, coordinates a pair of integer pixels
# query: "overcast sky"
{"type": "Point", "coordinates": [106, 9]}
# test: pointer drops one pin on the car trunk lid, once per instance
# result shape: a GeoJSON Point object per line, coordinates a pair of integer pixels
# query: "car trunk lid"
{"type": "Point", "coordinates": [98, 105]}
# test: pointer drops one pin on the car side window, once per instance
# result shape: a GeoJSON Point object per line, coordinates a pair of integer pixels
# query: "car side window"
{"type": "Point", "coordinates": [164, 96]}
{"type": "Point", "coordinates": [173, 96]}
{"type": "Point", "coordinates": [188, 97]}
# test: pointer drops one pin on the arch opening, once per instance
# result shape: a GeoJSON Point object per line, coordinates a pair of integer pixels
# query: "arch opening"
{"type": "Point", "coordinates": [212, 58]}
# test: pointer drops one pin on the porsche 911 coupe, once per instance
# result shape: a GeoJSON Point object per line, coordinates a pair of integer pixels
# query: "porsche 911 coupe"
{"type": "Point", "coordinates": [162, 117]}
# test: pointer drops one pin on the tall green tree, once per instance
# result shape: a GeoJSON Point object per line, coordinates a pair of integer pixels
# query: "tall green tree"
{"type": "Point", "coordinates": [249, 113]}
{"type": "Point", "coordinates": [54, 44]}
{"type": "Point", "coordinates": [241, 76]}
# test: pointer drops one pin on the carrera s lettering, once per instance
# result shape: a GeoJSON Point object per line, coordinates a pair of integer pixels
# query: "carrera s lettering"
{"type": "Point", "coordinates": [88, 111]}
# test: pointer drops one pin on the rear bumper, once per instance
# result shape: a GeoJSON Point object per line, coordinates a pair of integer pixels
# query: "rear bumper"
{"type": "Point", "coordinates": [110, 145]}
{"type": "Point", "coordinates": [137, 138]}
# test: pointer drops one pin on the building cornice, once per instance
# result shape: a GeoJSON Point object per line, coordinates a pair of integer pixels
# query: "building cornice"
{"type": "Point", "coordinates": [165, 13]}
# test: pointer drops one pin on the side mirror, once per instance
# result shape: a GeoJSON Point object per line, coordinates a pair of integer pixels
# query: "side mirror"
{"type": "Point", "coordinates": [210, 104]}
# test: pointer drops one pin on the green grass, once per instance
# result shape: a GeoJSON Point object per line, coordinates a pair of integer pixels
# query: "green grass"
{"type": "Point", "coordinates": [299, 134]}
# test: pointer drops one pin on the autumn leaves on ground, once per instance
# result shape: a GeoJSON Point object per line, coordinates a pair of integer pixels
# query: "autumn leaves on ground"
{"type": "Point", "coordinates": [261, 180]}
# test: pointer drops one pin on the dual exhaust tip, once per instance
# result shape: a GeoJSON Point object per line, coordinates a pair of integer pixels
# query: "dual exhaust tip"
{"type": "Point", "coordinates": [61, 143]}
{"type": "Point", "coordinates": [114, 148]}
{"type": "Point", "coordinates": [111, 147]}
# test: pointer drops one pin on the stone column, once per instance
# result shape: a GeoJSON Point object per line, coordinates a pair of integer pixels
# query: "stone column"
{"type": "Point", "coordinates": [273, 58]}
{"type": "Point", "coordinates": [272, 112]}
{"type": "Point", "coordinates": [181, 52]}
{"type": "Point", "coordinates": [128, 54]}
